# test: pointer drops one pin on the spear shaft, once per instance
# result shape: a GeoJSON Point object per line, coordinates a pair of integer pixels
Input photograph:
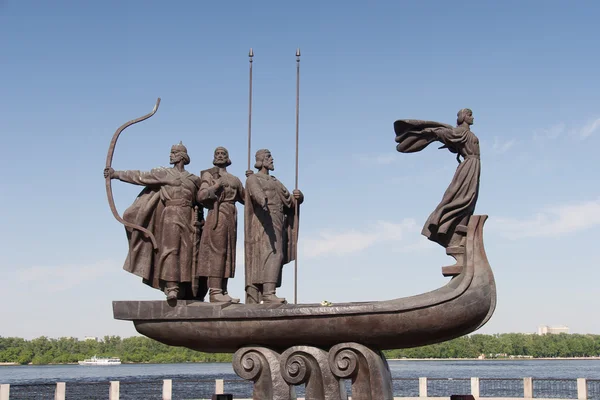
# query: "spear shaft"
{"type": "Point", "coordinates": [297, 140]}
{"type": "Point", "coordinates": [250, 55]}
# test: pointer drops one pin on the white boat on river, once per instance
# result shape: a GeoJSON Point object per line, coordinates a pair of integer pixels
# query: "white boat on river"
{"type": "Point", "coordinates": [101, 361]}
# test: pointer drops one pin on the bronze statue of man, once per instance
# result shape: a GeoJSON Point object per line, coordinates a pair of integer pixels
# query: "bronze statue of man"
{"type": "Point", "coordinates": [165, 207]}
{"type": "Point", "coordinates": [447, 224]}
{"type": "Point", "coordinates": [219, 191]}
{"type": "Point", "coordinates": [269, 230]}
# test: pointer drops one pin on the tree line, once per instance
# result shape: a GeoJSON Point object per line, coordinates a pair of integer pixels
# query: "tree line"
{"type": "Point", "coordinates": [141, 349]}
{"type": "Point", "coordinates": [506, 345]}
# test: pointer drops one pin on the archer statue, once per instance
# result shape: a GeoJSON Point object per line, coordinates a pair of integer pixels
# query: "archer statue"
{"type": "Point", "coordinates": [165, 207]}
{"type": "Point", "coordinates": [447, 224]}
{"type": "Point", "coordinates": [163, 225]}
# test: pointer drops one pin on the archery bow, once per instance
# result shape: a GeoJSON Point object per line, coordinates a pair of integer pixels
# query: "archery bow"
{"type": "Point", "coordinates": [109, 158]}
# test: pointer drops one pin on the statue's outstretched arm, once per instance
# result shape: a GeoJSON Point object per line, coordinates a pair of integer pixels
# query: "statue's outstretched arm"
{"type": "Point", "coordinates": [414, 135]}
{"type": "Point", "coordinates": [156, 177]}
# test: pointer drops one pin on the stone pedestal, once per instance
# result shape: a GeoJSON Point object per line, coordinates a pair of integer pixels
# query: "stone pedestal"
{"type": "Point", "coordinates": [275, 375]}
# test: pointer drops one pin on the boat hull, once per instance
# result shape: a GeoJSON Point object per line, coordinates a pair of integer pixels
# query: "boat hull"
{"type": "Point", "coordinates": [98, 364]}
{"type": "Point", "coordinates": [458, 308]}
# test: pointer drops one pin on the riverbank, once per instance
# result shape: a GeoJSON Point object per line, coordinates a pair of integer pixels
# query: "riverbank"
{"type": "Point", "coordinates": [139, 349]}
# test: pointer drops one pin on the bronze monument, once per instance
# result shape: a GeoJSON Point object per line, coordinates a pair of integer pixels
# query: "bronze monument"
{"type": "Point", "coordinates": [165, 207]}
{"type": "Point", "coordinates": [447, 224]}
{"type": "Point", "coordinates": [278, 345]}
{"type": "Point", "coordinates": [219, 191]}
{"type": "Point", "coordinates": [269, 230]}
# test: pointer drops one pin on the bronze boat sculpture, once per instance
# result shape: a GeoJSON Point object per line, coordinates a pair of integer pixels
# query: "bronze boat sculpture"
{"type": "Point", "coordinates": [279, 345]}
{"type": "Point", "coordinates": [458, 308]}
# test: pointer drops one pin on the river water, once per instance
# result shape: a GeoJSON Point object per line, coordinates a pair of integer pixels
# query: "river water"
{"type": "Point", "coordinates": [196, 381]}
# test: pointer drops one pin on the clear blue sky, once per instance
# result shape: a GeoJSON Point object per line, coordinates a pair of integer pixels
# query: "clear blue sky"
{"type": "Point", "coordinates": [72, 72]}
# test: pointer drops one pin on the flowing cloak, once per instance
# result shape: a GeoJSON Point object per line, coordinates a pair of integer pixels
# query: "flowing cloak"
{"type": "Point", "coordinates": [149, 211]}
{"type": "Point", "coordinates": [218, 243]}
{"type": "Point", "coordinates": [257, 244]}
{"type": "Point", "coordinates": [458, 202]}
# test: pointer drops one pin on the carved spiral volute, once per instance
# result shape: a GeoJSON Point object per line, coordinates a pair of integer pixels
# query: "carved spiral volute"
{"type": "Point", "coordinates": [296, 368]}
{"type": "Point", "coordinates": [249, 364]}
{"type": "Point", "coordinates": [344, 363]}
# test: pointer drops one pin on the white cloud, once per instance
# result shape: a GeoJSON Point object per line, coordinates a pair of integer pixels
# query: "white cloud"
{"type": "Point", "coordinates": [553, 132]}
{"type": "Point", "coordinates": [550, 133]}
{"type": "Point", "coordinates": [355, 240]}
{"type": "Point", "coordinates": [338, 243]}
{"type": "Point", "coordinates": [589, 129]}
{"type": "Point", "coordinates": [502, 146]}
{"type": "Point", "coordinates": [59, 278]}
{"type": "Point", "coordinates": [552, 221]}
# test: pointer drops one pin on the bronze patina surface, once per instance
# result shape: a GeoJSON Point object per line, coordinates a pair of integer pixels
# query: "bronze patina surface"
{"type": "Point", "coordinates": [277, 345]}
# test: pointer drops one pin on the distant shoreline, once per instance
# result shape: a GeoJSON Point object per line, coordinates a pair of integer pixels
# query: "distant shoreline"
{"type": "Point", "coordinates": [14, 364]}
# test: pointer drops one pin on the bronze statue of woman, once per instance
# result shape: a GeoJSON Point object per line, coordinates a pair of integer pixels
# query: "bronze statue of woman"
{"type": "Point", "coordinates": [447, 223]}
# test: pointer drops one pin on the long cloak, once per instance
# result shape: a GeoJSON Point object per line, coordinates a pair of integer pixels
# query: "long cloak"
{"type": "Point", "coordinates": [147, 211]}
{"type": "Point", "coordinates": [255, 234]}
{"type": "Point", "coordinates": [217, 257]}
{"type": "Point", "coordinates": [141, 258]}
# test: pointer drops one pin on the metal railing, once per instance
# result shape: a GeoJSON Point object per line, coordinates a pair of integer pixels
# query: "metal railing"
{"type": "Point", "coordinates": [403, 388]}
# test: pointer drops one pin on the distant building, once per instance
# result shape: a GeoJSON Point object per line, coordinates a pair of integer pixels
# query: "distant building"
{"type": "Point", "coordinates": [552, 330]}
{"type": "Point", "coordinates": [91, 338]}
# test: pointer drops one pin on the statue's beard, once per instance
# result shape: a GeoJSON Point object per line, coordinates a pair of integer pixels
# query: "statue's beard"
{"type": "Point", "coordinates": [220, 163]}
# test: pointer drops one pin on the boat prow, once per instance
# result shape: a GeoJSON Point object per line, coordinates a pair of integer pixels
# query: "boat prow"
{"type": "Point", "coordinates": [460, 307]}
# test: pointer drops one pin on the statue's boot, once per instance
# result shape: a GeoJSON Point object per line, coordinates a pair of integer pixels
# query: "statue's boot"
{"type": "Point", "coordinates": [172, 291]}
{"type": "Point", "coordinates": [233, 300]}
{"type": "Point", "coordinates": [456, 249]}
{"type": "Point", "coordinates": [216, 294]}
{"type": "Point", "coordinates": [253, 294]}
{"type": "Point", "coordinates": [269, 295]}
{"type": "Point", "coordinates": [226, 294]}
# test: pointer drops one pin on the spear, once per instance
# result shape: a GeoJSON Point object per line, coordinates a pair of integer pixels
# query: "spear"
{"type": "Point", "coordinates": [250, 55]}
{"type": "Point", "coordinates": [296, 211]}
{"type": "Point", "coordinates": [252, 293]}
